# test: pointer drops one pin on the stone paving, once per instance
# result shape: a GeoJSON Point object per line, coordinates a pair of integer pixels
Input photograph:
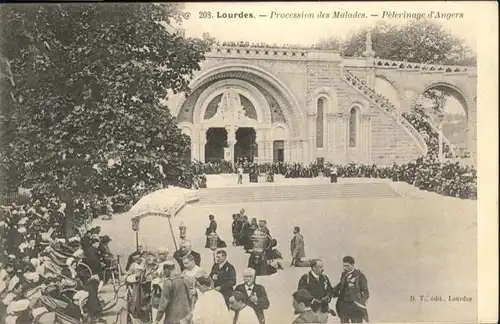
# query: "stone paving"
{"type": "Point", "coordinates": [420, 244]}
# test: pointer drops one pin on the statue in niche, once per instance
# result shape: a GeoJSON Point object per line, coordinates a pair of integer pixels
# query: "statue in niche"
{"type": "Point", "coordinates": [230, 108]}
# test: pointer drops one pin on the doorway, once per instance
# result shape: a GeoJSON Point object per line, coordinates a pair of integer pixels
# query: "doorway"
{"type": "Point", "coordinates": [216, 142]}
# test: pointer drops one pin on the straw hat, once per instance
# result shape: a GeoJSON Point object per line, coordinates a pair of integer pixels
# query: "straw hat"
{"type": "Point", "coordinates": [18, 306]}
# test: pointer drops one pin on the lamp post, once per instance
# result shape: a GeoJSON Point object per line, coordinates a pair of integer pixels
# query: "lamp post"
{"type": "Point", "coordinates": [213, 239]}
{"type": "Point", "coordinates": [440, 140]}
{"type": "Point", "coordinates": [135, 228]}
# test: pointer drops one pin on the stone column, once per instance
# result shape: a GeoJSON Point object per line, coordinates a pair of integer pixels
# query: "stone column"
{"type": "Point", "coordinates": [311, 120]}
{"type": "Point", "coordinates": [330, 126]}
{"type": "Point", "coordinates": [259, 139]}
{"type": "Point", "coordinates": [287, 147]}
{"type": "Point", "coordinates": [368, 146]}
{"type": "Point", "coordinates": [195, 145]}
{"type": "Point", "coordinates": [360, 146]}
{"type": "Point", "coordinates": [201, 144]}
{"type": "Point", "coordinates": [231, 140]}
{"type": "Point", "coordinates": [345, 130]}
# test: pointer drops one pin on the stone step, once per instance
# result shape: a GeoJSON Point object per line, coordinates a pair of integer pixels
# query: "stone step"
{"type": "Point", "coordinates": [307, 192]}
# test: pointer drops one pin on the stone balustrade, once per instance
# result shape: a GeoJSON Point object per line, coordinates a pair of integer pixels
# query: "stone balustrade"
{"type": "Point", "coordinates": [380, 63]}
{"type": "Point", "coordinates": [383, 103]}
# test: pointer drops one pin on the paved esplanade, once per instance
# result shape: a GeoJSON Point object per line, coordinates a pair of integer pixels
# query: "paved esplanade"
{"type": "Point", "coordinates": [417, 244]}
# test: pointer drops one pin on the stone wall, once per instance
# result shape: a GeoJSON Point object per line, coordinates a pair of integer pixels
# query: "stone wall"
{"type": "Point", "coordinates": [390, 142]}
{"type": "Point", "coordinates": [306, 74]}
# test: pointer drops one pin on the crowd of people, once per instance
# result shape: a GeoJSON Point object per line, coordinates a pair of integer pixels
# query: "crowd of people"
{"type": "Point", "coordinates": [176, 288]}
{"type": "Point", "coordinates": [450, 178]}
{"type": "Point", "coordinates": [46, 276]}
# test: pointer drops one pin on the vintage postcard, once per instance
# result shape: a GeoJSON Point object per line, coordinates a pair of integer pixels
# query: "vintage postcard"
{"type": "Point", "coordinates": [249, 162]}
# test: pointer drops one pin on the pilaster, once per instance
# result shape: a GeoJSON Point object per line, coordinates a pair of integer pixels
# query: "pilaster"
{"type": "Point", "coordinates": [311, 140]}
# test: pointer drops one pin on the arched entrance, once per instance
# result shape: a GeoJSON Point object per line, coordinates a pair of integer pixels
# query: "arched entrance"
{"type": "Point", "coordinates": [247, 102]}
{"type": "Point", "coordinates": [245, 148]}
{"type": "Point", "coordinates": [455, 122]}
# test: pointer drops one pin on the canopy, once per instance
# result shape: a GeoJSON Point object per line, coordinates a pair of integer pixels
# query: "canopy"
{"type": "Point", "coordinates": [168, 201]}
{"type": "Point", "coordinates": [163, 203]}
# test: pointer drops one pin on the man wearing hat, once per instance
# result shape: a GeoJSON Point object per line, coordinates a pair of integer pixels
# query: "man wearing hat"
{"type": "Point", "coordinates": [184, 251]}
{"type": "Point", "coordinates": [302, 300]}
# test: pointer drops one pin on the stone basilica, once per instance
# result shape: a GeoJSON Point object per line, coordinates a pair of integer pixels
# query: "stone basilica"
{"type": "Point", "coordinates": [295, 105]}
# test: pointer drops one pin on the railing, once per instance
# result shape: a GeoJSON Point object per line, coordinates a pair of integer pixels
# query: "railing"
{"type": "Point", "coordinates": [423, 67]}
{"type": "Point", "coordinates": [260, 51]}
{"type": "Point", "coordinates": [384, 104]}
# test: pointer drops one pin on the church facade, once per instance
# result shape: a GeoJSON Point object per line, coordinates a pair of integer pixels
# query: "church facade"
{"type": "Point", "coordinates": [291, 105]}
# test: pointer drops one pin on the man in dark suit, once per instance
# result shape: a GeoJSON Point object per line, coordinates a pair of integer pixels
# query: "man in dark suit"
{"type": "Point", "coordinates": [256, 296]}
{"type": "Point", "coordinates": [352, 292]}
{"type": "Point", "coordinates": [319, 286]}
{"type": "Point", "coordinates": [223, 275]}
{"type": "Point", "coordinates": [184, 251]}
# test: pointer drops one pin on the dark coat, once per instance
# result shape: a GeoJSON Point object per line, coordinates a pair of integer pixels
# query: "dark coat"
{"type": "Point", "coordinates": [297, 247]}
{"type": "Point", "coordinates": [262, 301]}
{"type": "Point", "coordinates": [93, 259]}
{"type": "Point", "coordinates": [318, 289]}
{"type": "Point", "coordinates": [178, 256]}
{"type": "Point", "coordinates": [352, 288]}
{"type": "Point", "coordinates": [225, 279]}
{"type": "Point", "coordinates": [211, 228]}
{"type": "Point", "coordinates": [175, 300]}
{"type": "Point", "coordinates": [93, 303]}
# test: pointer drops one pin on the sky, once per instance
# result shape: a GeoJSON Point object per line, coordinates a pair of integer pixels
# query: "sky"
{"type": "Point", "coordinates": [305, 31]}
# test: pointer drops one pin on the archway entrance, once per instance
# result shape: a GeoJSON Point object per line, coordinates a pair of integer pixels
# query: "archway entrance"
{"type": "Point", "coordinates": [216, 142]}
{"type": "Point", "coordinates": [245, 146]}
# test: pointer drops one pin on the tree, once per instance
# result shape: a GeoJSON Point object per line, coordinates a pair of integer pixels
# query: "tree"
{"type": "Point", "coordinates": [88, 79]}
{"type": "Point", "coordinates": [419, 41]}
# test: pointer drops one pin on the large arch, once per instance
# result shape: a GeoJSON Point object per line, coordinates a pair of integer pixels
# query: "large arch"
{"type": "Point", "coordinates": [453, 90]}
{"type": "Point", "coordinates": [465, 99]}
{"type": "Point", "coordinates": [244, 88]}
{"type": "Point", "coordinates": [256, 75]}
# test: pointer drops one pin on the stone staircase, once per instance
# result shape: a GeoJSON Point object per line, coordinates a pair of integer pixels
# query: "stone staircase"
{"type": "Point", "coordinates": [296, 192]}
{"type": "Point", "coordinates": [385, 105]}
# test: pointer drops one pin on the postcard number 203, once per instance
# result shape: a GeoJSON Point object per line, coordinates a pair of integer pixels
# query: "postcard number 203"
{"type": "Point", "coordinates": [205, 15]}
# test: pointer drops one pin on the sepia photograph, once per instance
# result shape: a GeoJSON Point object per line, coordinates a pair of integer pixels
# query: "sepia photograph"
{"type": "Point", "coordinates": [248, 162]}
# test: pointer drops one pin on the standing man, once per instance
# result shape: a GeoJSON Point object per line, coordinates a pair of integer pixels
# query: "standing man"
{"type": "Point", "coordinates": [242, 313]}
{"type": "Point", "coordinates": [224, 275]}
{"type": "Point", "coordinates": [210, 308]}
{"type": "Point", "coordinates": [352, 292]}
{"type": "Point", "coordinates": [240, 174]}
{"type": "Point", "coordinates": [255, 295]}
{"type": "Point", "coordinates": [236, 229]}
{"type": "Point", "coordinates": [175, 301]}
{"type": "Point", "coordinates": [184, 251]}
{"type": "Point", "coordinates": [297, 247]}
{"type": "Point", "coordinates": [319, 286]}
